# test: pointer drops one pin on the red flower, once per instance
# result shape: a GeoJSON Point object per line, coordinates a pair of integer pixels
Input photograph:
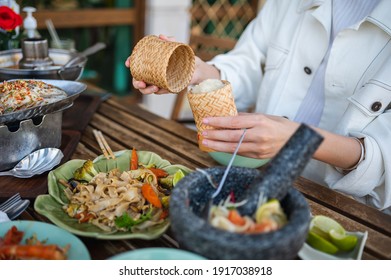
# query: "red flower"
{"type": "Point", "coordinates": [9, 20]}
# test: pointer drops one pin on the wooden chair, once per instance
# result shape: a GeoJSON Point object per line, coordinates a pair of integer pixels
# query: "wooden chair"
{"type": "Point", "coordinates": [215, 29]}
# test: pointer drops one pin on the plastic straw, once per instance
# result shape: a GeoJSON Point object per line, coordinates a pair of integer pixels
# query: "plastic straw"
{"type": "Point", "coordinates": [53, 32]}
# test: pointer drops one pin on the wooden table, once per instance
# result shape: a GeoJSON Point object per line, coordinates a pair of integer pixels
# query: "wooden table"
{"type": "Point", "coordinates": [127, 126]}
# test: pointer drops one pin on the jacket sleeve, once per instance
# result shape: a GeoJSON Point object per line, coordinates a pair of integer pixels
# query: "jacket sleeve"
{"type": "Point", "coordinates": [371, 181]}
{"type": "Point", "coordinates": [242, 66]}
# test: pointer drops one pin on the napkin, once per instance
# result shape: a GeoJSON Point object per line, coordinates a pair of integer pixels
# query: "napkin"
{"type": "Point", "coordinates": [3, 217]}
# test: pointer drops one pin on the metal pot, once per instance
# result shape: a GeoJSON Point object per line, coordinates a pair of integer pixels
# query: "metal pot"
{"type": "Point", "coordinates": [9, 66]}
{"type": "Point", "coordinates": [28, 130]}
{"type": "Point", "coordinates": [19, 139]}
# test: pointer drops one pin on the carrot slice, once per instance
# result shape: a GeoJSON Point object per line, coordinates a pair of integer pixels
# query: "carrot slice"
{"type": "Point", "coordinates": [84, 217]}
{"type": "Point", "coordinates": [160, 173]}
{"type": "Point", "coordinates": [235, 218]}
{"type": "Point", "coordinates": [265, 226]}
{"type": "Point", "coordinates": [150, 195]}
{"type": "Point", "coordinates": [134, 160]}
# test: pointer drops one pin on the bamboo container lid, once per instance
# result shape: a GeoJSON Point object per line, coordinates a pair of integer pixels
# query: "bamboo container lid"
{"type": "Point", "coordinates": [168, 65]}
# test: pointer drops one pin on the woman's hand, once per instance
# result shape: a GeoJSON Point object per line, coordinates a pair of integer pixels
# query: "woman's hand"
{"type": "Point", "coordinates": [141, 85]}
{"type": "Point", "coordinates": [202, 71]}
{"type": "Point", "coordinates": [265, 134]}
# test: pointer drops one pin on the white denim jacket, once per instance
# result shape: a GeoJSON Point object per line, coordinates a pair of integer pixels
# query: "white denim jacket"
{"type": "Point", "coordinates": [273, 64]}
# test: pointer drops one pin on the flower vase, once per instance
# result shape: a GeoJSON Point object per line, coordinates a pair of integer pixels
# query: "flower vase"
{"type": "Point", "coordinates": [9, 44]}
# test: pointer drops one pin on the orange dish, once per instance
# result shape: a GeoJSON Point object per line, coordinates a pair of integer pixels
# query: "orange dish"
{"type": "Point", "coordinates": [11, 248]}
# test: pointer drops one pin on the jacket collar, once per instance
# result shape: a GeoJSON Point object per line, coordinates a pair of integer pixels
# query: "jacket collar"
{"type": "Point", "coordinates": [320, 9]}
{"type": "Point", "coordinates": [309, 4]}
{"type": "Point", "coordinates": [379, 16]}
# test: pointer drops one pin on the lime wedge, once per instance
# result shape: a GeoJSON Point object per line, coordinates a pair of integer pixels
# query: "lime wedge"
{"type": "Point", "coordinates": [322, 225]}
{"type": "Point", "coordinates": [343, 242]}
{"type": "Point", "coordinates": [177, 177]}
{"type": "Point", "coordinates": [321, 244]}
{"type": "Point", "coordinates": [271, 210]}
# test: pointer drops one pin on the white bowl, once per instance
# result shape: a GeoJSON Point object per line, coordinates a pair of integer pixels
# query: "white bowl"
{"type": "Point", "coordinates": [309, 253]}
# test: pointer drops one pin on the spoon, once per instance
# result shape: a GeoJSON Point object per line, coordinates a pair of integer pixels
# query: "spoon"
{"type": "Point", "coordinates": [35, 163]}
{"type": "Point", "coordinates": [205, 211]}
{"type": "Point", "coordinates": [229, 165]}
{"type": "Point", "coordinates": [81, 57]}
{"type": "Point", "coordinates": [53, 32]}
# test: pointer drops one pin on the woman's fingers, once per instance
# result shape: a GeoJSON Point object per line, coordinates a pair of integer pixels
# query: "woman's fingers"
{"type": "Point", "coordinates": [144, 88]}
{"type": "Point", "coordinates": [147, 89]}
{"type": "Point", "coordinates": [127, 62]}
{"type": "Point", "coordinates": [167, 38]}
{"type": "Point", "coordinates": [235, 122]}
{"type": "Point", "coordinates": [264, 138]}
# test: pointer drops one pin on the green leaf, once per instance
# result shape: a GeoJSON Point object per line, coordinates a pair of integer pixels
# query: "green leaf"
{"type": "Point", "coordinates": [125, 221]}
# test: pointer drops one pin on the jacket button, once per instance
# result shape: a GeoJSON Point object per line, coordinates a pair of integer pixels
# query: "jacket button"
{"type": "Point", "coordinates": [376, 106]}
{"type": "Point", "coordinates": [307, 70]}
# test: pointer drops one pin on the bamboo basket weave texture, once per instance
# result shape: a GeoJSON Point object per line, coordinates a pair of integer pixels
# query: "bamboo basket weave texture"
{"type": "Point", "coordinates": [168, 65]}
{"type": "Point", "coordinates": [217, 103]}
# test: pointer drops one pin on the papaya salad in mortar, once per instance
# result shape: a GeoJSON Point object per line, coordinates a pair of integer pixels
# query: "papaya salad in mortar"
{"type": "Point", "coordinates": [268, 217]}
{"type": "Point", "coordinates": [132, 200]}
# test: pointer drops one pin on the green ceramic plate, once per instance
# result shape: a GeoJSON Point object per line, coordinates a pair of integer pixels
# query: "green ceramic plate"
{"type": "Point", "coordinates": [157, 254]}
{"type": "Point", "coordinates": [52, 235]}
{"type": "Point", "coordinates": [224, 158]}
{"type": "Point", "coordinates": [50, 205]}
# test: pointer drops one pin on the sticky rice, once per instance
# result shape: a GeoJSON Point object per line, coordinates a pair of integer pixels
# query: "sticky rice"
{"type": "Point", "coordinates": [210, 98]}
{"type": "Point", "coordinates": [207, 86]}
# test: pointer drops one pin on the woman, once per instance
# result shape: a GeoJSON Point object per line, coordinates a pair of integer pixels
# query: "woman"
{"type": "Point", "coordinates": [325, 63]}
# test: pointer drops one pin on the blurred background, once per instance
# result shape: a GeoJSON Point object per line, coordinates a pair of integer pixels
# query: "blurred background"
{"type": "Point", "coordinates": [209, 26]}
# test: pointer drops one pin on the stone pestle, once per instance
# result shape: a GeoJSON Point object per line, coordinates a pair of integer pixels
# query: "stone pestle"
{"type": "Point", "coordinates": [279, 175]}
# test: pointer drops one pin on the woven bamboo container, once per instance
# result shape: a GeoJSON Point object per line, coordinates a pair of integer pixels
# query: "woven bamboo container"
{"type": "Point", "coordinates": [217, 103]}
{"type": "Point", "coordinates": [168, 65]}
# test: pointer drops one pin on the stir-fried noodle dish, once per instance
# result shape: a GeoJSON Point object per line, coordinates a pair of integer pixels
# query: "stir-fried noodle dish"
{"type": "Point", "coordinates": [132, 200]}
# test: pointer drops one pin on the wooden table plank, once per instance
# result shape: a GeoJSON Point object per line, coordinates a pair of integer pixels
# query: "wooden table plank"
{"type": "Point", "coordinates": [128, 126]}
{"type": "Point", "coordinates": [175, 128]}
{"type": "Point", "coordinates": [346, 205]}
{"type": "Point", "coordinates": [146, 132]}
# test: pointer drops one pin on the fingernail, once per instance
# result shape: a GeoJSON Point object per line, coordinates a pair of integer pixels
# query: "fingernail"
{"type": "Point", "coordinates": [204, 133]}
{"type": "Point", "coordinates": [205, 142]}
{"type": "Point", "coordinates": [206, 121]}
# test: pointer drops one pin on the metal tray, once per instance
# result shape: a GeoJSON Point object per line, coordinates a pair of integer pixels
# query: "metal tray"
{"type": "Point", "coordinates": [9, 69]}
{"type": "Point", "coordinates": [71, 88]}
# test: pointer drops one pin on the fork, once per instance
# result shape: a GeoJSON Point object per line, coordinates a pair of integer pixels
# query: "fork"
{"type": "Point", "coordinates": [18, 209]}
{"type": "Point", "coordinates": [14, 206]}
{"type": "Point", "coordinates": [9, 203]}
